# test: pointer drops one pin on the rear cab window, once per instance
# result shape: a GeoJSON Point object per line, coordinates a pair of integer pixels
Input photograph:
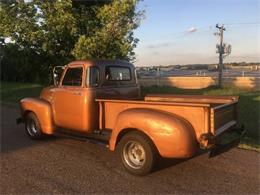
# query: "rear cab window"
{"type": "Point", "coordinates": [117, 73]}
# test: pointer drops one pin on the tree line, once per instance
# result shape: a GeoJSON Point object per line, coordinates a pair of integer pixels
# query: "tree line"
{"type": "Point", "coordinates": [37, 35]}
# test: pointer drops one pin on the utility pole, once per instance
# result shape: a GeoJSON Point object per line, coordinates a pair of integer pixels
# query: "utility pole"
{"type": "Point", "coordinates": [221, 51]}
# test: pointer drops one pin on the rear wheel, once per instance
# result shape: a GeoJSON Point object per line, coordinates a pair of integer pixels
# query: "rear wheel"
{"type": "Point", "coordinates": [32, 126]}
{"type": "Point", "coordinates": [137, 153]}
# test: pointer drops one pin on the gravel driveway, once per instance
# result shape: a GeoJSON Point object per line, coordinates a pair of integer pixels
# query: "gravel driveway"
{"type": "Point", "coordinates": [60, 165]}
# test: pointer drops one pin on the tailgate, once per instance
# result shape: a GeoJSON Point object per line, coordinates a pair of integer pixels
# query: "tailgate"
{"type": "Point", "coordinates": [223, 117]}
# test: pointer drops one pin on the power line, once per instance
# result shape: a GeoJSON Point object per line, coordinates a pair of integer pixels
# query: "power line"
{"type": "Point", "coordinates": [242, 26]}
{"type": "Point", "coordinates": [207, 29]}
{"type": "Point", "coordinates": [243, 23]}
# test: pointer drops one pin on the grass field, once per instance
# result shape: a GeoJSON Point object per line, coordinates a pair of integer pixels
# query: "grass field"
{"type": "Point", "coordinates": [12, 92]}
{"type": "Point", "coordinates": [249, 102]}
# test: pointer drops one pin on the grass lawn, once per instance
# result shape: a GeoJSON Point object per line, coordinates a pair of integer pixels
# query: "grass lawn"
{"type": "Point", "coordinates": [12, 92]}
{"type": "Point", "coordinates": [249, 102]}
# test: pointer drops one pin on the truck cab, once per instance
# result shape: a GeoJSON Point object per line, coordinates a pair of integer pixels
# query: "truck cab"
{"type": "Point", "coordinates": [73, 98]}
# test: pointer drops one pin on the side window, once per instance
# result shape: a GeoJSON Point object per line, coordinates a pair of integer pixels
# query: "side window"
{"type": "Point", "coordinates": [118, 73]}
{"type": "Point", "coordinates": [73, 77]}
{"type": "Point", "coordinates": [93, 77]}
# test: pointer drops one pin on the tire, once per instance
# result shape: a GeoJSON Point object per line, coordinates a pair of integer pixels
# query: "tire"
{"type": "Point", "coordinates": [137, 153]}
{"type": "Point", "coordinates": [32, 126]}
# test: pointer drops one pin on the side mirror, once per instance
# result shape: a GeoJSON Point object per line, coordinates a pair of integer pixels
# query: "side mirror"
{"type": "Point", "coordinates": [55, 79]}
{"type": "Point", "coordinates": [56, 73]}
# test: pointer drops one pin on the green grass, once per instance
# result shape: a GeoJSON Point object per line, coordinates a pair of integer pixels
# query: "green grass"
{"type": "Point", "coordinates": [249, 102]}
{"type": "Point", "coordinates": [249, 107]}
{"type": "Point", "coordinates": [12, 92]}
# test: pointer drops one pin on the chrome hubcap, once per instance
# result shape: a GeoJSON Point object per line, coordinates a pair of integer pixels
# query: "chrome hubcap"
{"type": "Point", "coordinates": [31, 127]}
{"type": "Point", "coordinates": [134, 154]}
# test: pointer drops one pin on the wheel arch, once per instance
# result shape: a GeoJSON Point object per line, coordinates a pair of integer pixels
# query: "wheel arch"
{"type": "Point", "coordinates": [42, 109]}
{"type": "Point", "coordinates": [125, 131]}
{"type": "Point", "coordinates": [171, 135]}
{"type": "Point", "coordinates": [26, 112]}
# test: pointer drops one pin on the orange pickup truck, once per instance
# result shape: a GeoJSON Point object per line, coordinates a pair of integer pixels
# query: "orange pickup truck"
{"type": "Point", "coordinates": [100, 100]}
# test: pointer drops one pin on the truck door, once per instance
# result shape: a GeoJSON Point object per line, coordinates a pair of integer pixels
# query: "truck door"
{"type": "Point", "coordinates": [68, 99]}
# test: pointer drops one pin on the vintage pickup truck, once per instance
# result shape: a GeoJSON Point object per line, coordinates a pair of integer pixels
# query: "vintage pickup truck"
{"type": "Point", "coordinates": [100, 99]}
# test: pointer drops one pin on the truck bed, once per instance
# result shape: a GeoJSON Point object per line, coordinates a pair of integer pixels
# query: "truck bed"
{"type": "Point", "coordinates": [223, 114]}
{"type": "Point", "coordinates": [207, 114]}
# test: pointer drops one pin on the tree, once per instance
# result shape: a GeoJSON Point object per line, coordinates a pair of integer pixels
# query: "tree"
{"type": "Point", "coordinates": [113, 36]}
{"type": "Point", "coordinates": [47, 33]}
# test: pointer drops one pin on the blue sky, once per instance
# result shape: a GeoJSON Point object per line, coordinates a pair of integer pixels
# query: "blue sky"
{"type": "Point", "coordinates": [181, 31]}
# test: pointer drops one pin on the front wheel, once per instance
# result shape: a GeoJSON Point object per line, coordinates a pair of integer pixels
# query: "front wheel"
{"type": "Point", "coordinates": [137, 153]}
{"type": "Point", "coordinates": [32, 126]}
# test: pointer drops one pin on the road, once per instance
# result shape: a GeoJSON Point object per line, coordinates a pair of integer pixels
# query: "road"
{"type": "Point", "coordinates": [60, 165]}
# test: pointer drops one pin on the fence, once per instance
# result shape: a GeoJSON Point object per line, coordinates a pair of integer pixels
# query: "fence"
{"type": "Point", "coordinates": [201, 82]}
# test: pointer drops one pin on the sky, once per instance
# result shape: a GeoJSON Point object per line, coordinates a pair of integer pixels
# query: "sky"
{"type": "Point", "coordinates": [182, 31]}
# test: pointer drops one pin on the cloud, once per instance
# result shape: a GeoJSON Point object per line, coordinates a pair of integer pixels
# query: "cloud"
{"type": "Point", "coordinates": [192, 29]}
{"type": "Point", "coordinates": [153, 46]}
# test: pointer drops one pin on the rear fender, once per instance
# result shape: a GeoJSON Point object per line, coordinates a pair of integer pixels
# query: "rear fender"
{"type": "Point", "coordinates": [43, 111]}
{"type": "Point", "coordinates": [173, 136]}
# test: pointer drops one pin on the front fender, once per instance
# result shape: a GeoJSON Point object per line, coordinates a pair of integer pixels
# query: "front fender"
{"type": "Point", "coordinates": [173, 136]}
{"type": "Point", "coordinates": [43, 111]}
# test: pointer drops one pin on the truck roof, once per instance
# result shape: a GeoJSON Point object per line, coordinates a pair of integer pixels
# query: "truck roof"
{"type": "Point", "coordinates": [88, 63]}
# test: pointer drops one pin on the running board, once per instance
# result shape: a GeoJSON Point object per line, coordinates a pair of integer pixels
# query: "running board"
{"type": "Point", "coordinates": [96, 138]}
